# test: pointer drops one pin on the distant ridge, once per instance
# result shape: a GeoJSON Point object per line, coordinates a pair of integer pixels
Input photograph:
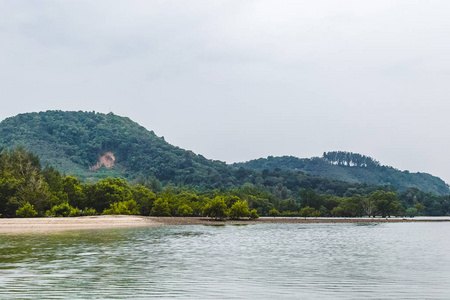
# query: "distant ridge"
{"type": "Point", "coordinates": [93, 145]}
{"type": "Point", "coordinates": [351, 167]}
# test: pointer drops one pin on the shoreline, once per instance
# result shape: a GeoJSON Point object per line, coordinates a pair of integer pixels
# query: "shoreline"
{"type": "Point", "coordinates": [44, 225]}
{"type": "Point", "coordinates": [284, 220]}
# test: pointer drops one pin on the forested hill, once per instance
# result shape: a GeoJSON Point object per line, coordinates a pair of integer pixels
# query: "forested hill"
{"type": "Point", "coordinates": [92, 145]}
{"type": "Point", "coordinates": [351, 167]}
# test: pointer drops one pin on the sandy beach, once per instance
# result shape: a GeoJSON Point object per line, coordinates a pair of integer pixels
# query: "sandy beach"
{"type": "Point", "coordinates": [31, 225]}
{"type": "Point", "coordinates": [23, 225]}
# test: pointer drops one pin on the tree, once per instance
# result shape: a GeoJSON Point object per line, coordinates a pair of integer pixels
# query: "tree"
{"type": "Point", "coordinates": [160, 208]}
{"type": "Point", "coordinates": [386, 202]}
{"type": "Point", "coordinates": [262, 205]}
{"type": "Point", "coordinates": [75, 212]}
{"type": "Point", "coordinates": [369, 206]}
{"type": "Point", "coordinates": [107, 191]}
{"type": "Point", "coordinates": [239, 210]}
{"type": "Point", "coordinates": [216, 208]}
{"type": "Point", "coordinates": [8, 189]}
{"type": "Point", "coordinates": [309, 212]}
{"type": "Point", "coordinates": [349, 207]}
{"type": "Point", "coordinates": [254, 214]}
{"type": "Point", "coordinates": [26, 211]}
{"type": "Point", "coordinates": [316, 213]}
{"type": "Point", "coordinates": [411, 212]}
{"type": "Point", "coordinates": [185, 210]}
{"type": "Point", "coordinates": [72, 188]}
{"type": "Point", "coordinates": [61, 210]}
{"type": "Point", "coordinates": [129, 207]}
{"type": "Point", "coordinates": [338, 211]}
{"type": "Point", "coordinates": [308, 197]}
{"type": "Point", "coordinates": [89, 212]}
{"type": "Point", "coordinates": [274, 212]}
{"type": "Point", "coordinates": [145, 198]}
{"type": "Point", "coordinates": [288, 205]}
{"type": "Point", "coordinates": [419, 207]}
{"type": "Point", "coordinates": [230, 200]}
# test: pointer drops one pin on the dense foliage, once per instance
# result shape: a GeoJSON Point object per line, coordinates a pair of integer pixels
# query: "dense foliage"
{"type": "Point", "coordinates": [152, 177]}
{"type": "Point", "coordinates": [351, 167]}
{"type": "Point", "coordinates": [349, 159]}
{"type": "Point", "coordinates": [72, 142]}
{"type": "Point", "coordinates": [27, 190]}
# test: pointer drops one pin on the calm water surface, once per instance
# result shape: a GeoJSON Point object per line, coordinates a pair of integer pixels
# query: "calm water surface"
{"type": "Point", "coordinates": [267, 261]}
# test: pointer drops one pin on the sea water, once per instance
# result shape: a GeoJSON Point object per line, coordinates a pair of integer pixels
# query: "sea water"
{"type": "Point", "coordinates": [265, 261]}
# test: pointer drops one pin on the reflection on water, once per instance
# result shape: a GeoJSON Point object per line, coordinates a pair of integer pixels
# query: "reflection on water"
{"type": "Point", "coordinates": [268, 261]}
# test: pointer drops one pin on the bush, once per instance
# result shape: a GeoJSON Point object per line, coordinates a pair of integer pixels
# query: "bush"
{"type": "Point", "coordinates": [309, 212]}
{"type": "Point", "coordinates": [289, 214]}
{"type": "Point", "coordinates": [239, 210]}
{"type": "Point", "coordinates": [185, 210]}
{"type": "Point", "coordinates": [145, 198]}
{"type": "Point", "coordinates": [254, 214]}
{"type": "Point", "coordinates": [216, 208]}
{"type": "Point", "coordinates": [89, 212]}
{"type": "Point", "coordinates": [274, 213]}
{"type": "Point", "coordinates": [411, 212]}
{"type": "Point", "coordinates": [129, 207]}
{"type": "Point", "coordinates": [61, 210]}
{"type": "Point", "coordinates": [26, 211]}
{"type": "Point", "coordinates": [337, 211]}
{"type": "Point", "coordinates": [160, 208]}
{"type": "Point", "coordinates": [75, 212]}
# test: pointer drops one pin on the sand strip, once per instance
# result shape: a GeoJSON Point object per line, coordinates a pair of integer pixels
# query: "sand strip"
{"type": "Point", "coordinates": [29, 225]}
{"type": "Point", "coordinates": [24, 225]}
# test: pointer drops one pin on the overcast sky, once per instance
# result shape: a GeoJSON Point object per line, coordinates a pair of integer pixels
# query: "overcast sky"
{"type": "Point", "coordinates": [238, 80]}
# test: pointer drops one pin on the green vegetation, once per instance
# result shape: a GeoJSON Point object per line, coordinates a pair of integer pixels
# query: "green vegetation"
{"type": "Point", "coordinates": [161, 208]}
{"type": "Point", "coordinates": [254, 214]}
{"type": "Point", "coordinates": [152, 177]}
{"type": "Point", "coordinates": [309, 212]}
{"type": "Point", "coordinates": [185, 210]}
{"type": "Point", "coordinates": [216, 208]}
{"type": "Point", "coordinates": [351, 167]}
{"type": "Point", "coordinates": [74, 142]}
{"type": "Point", "coordinates": [239, 210]}
{"type": "Point", "coordinates": [26, 211]}
{"type": "Point", "coordinates": [274, 212]}
{"type": "Point", "coordinates": [61, 210]}
{"type": "Point", "coordinates": [129, 207]}
{"type": "Point", "coordinates": [27, 190]}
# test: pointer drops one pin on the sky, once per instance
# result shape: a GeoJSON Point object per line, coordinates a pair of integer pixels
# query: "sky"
{"type": "Point", "coordinates": [239, 80]}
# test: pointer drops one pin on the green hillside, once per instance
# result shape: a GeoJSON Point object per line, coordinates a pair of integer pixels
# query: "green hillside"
{"type": "Point", "coordinates": [92, 146]}
{"type": "Point", "coordinates": [161, 177]}
{"type": "Point", "coordinates": [351, 167]}
{"type": "Point", "coordinates": [74, 142]}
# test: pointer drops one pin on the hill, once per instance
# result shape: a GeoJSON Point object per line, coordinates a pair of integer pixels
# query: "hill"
{"type": "Point", "coordinates": [351, 167]}
{"type": "Point", "coordinates": [92, 145]}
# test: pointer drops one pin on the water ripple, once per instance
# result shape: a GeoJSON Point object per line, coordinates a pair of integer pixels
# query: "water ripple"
{"type": "Point", "coordinates": [282, 261]}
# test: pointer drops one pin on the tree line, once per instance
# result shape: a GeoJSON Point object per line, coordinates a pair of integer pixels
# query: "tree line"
{"type": "Point", "coordinates": [350, 159]}
{"type": "Point", "coordinates": [28, 190]}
